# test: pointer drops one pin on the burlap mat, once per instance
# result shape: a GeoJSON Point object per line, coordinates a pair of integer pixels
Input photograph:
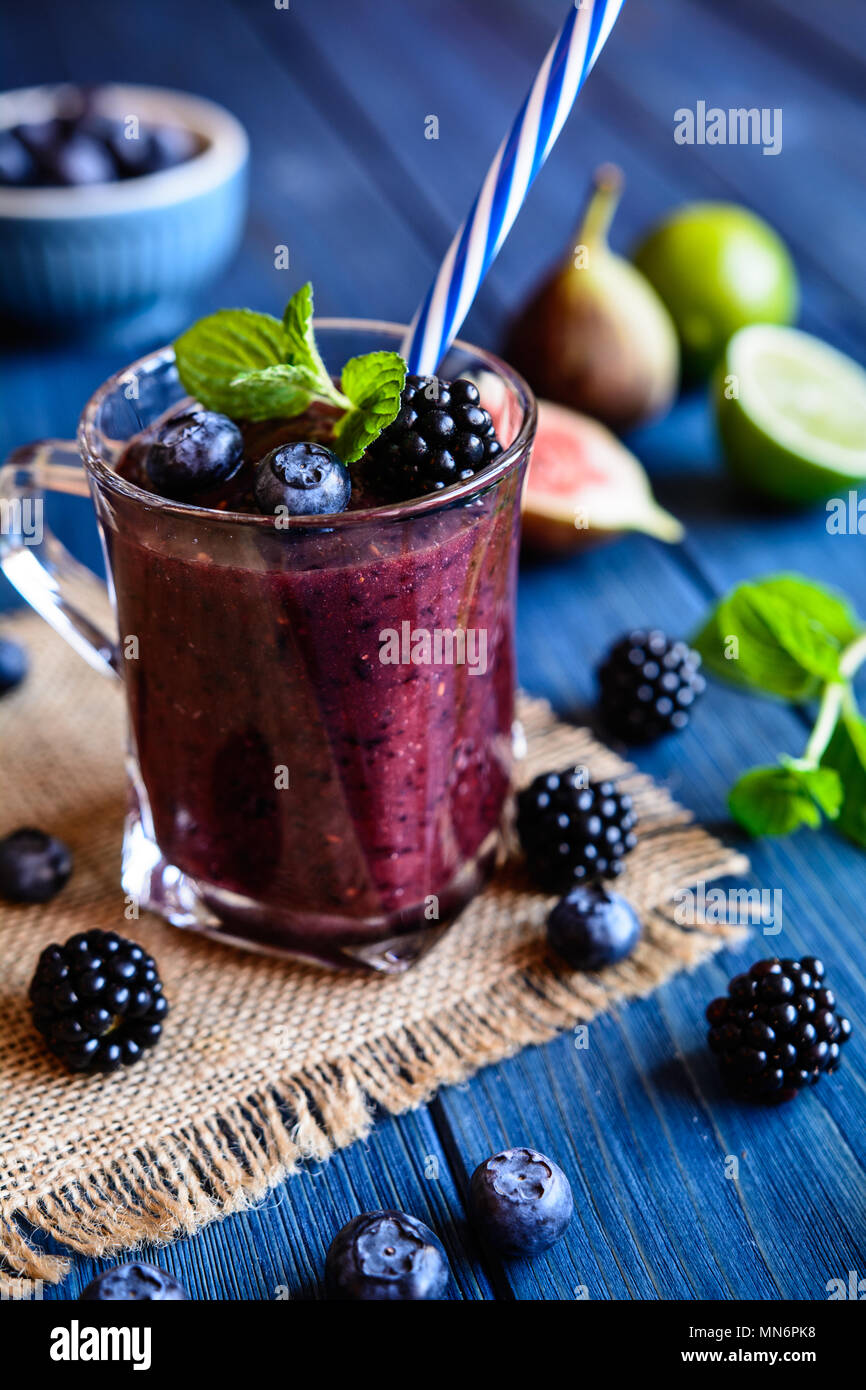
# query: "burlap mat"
{"type": "Point", "coordinates": [265, 1064]}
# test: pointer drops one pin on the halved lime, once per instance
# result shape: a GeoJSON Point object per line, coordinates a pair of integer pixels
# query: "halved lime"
{"type": "Point", "coordinates": [792, 414]}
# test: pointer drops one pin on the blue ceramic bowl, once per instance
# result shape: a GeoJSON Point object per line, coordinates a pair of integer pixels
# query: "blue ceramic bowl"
{"type": "Point", "coordinates": [89, 257]}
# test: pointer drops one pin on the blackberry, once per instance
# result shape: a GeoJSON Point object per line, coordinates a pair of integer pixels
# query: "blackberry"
{"type": "Point", "coordinates": [98, 1001]}
{"type": "Point", "coordinates": [441, 436]}
{"type": "Point", "coordinates": [777, 1029]}
{"type": "Point", "coordinates": [572, 830]}
{"type": "Point", "coordinates": [648, 685]}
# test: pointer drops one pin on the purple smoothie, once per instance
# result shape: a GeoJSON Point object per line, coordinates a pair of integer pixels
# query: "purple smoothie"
{"type": "Point", "coordinates": [259, 665]}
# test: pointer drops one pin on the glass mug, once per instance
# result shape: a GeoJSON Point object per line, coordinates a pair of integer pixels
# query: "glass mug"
{"type": "Point", "coordinates": [320, 709]}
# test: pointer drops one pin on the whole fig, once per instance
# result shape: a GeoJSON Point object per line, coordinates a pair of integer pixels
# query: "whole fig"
{"type": "Point", "coordinates": [596, 336]}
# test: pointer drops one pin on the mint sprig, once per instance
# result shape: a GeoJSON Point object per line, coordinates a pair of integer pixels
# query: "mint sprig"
{"type": "Point", "coordinates": [793, 639]}
{"type": "Point", "coordinates": [252, 366]}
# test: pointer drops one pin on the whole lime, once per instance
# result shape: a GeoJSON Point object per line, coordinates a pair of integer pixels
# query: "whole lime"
{"type": "Point", "coordinates": [718, 267]}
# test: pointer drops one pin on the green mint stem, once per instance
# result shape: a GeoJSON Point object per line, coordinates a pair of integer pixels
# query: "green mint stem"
{"type": "Point", "coordinates": [828, 715]}
{"type": "Point", "coordinates": [853, 657]}
{"type": "Point", "coordinates": [832, 700]}
{"type": "Point", "coordinates": [331, 396]}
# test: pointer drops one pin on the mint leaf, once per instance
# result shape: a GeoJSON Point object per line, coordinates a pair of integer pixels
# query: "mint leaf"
{"type": "Point", "coordinates": [271, 392]}
{"type": "Point", "coordinates": [253, 367]}
{"type": "Point", "coordinates": [764, 636]}
{"type": "Point", "coordinates": [846, 753]}
{"type": "Point", "coordinates": [374, 384]}
{"type": "Point", "coordinates": [778, 800]}
{"type": "Point", "coordinates": [216, 350]}
{"type": "Point", "coordinates": [301, 348]}
{"type": "Point", "coordinates": [825, 606]}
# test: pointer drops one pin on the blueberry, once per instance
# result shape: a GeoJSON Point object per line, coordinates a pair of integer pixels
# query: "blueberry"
{"type": "Point", "coordinates": [79, 161]}
{"type": "Point", "coordinates": [151, 151]}
{"type": "Point", "coordinates": [385, 1255]}
{"type": "Point", "coordinates": [171, 145]}
{"type": "Point", "coordinates": [13, 663]}
{"type": "Point", "coordinates": [593, 927]}
{"type": "Point", "coordinates": [41, 138]}
{"type": "Point", "coordinates": [193, 452]}
{"type": "Point", "coordinates": [304, 479]}
{"type": "Point", "coordinates": [17, 167]}
{"type": "Point", "coordinates": [33, 866]}
{"type": "Point", "coordinates": [133, 1282]}
{"type": "Point", "coordinates": [520, 1201]}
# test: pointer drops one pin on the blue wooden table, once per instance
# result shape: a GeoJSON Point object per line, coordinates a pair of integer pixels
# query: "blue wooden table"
{"type": "Point", "coordinates": [335, 94]}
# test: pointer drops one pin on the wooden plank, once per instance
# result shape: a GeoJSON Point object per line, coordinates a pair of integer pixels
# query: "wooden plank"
{"type": "Point", "coordinates": [277, 1249]}
{"type": "Point", "coordinates": [828, 40]}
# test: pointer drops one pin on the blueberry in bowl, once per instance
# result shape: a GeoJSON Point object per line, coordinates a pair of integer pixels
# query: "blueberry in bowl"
{"type": "Point", "coordinates": [115, 204]}
{"type": "Point", "coordinates": [386, 1256]}
{"type": "Point", "coordinates": [520, 1201]}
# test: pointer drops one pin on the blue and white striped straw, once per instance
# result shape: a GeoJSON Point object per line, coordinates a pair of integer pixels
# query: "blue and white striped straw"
{"type": "Point", "coordinates": [523, 151]}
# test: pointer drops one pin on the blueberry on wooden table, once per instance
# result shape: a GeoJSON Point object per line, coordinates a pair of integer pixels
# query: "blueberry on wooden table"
{"type": "Point", "coordinates": [305, 479]}
{"type": "Point", "coordinates": [13, 664]}
{"type": "Point", "coordinates": [194, 452]}
{"type": "Point", "coordinates": [520, 1201]}
{"type": "Point", "coordinates": [592, 927]}
{"type": "Point", "coordinates": [133, 1283]}
{"type": "Point", "coordinates": [33, 866]}
{"type": "Point", "coordinates": [384, 1256]}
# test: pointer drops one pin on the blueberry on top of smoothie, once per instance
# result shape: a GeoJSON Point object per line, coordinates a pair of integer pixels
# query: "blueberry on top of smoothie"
{"type": "Point", "coordinates": [194, 452]}
{"type": "Point", "coordinates": [305, 479]}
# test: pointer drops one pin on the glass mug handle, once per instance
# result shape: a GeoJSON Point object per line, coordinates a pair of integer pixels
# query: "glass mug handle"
{"type": "Point", "coordinates": [65, 593]}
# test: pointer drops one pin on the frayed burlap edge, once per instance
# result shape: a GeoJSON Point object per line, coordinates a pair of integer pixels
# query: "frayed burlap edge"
{"type": "Point", "coordinates": [228, 1162]}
